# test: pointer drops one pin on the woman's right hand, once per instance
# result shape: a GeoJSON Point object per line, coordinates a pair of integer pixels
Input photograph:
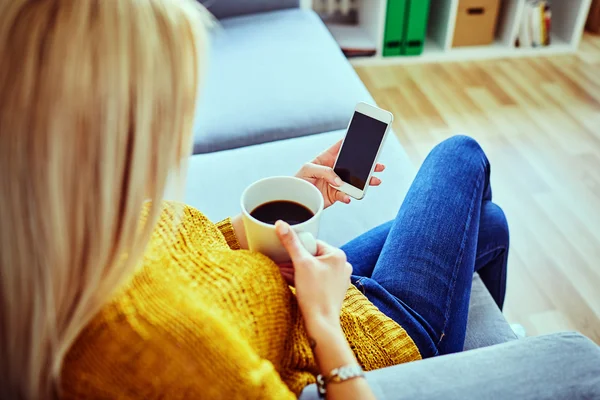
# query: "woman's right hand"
{"type": "Point", "coordinates": [321, 285]}
{"type": "Point", "coordinates": [321, 281]}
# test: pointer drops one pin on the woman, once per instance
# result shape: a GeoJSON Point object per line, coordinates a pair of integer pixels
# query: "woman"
{"type": "Point", "coordinates": [106, 295]}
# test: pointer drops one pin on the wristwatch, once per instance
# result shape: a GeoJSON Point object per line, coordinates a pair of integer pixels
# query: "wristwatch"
{"type": "Point", "coordinates": [338, 375]}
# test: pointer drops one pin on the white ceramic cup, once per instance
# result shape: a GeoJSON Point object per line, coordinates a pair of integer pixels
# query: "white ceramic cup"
{"type": "Point", "coordinates": [262, 236]}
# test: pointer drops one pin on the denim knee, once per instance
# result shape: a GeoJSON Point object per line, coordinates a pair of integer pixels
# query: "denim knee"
{"type": "Point", "coordinates": [461, 144]}
{"type": "Point", "coordinates": [465, 152]}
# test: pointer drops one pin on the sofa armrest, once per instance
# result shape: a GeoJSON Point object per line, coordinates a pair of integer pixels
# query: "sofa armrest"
{"type": "Point", "coordinates": [233, 8]}
{"type": "Point", "coordinates": [558, 366]}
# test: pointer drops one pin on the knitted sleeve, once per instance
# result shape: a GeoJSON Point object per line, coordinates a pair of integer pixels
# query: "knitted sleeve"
{"type": "Point", "coordinates": [169, 359]}
{"type": "Point", "coordinates": [210, 362]}
{"type": "Point", "coordinates": [228, 232]}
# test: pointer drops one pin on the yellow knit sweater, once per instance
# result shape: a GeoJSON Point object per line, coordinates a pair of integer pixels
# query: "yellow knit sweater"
{"type": "Point", "coordinates": [202, 319]}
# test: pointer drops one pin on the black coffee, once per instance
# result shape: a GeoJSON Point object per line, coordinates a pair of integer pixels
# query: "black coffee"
{"type": "Point", "coordinates": [291, 212]}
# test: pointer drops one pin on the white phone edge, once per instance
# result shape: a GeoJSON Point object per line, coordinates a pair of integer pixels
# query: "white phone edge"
{"type": "Point", "coordinates": [380, 115]}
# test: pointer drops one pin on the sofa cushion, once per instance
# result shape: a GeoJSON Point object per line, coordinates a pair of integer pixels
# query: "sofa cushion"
{"type": "Point", "coordinates": [562, 366]}
{"type": "Point", "coordinates": [486, 325]}
{"type": "Point", "coordinates": [273, 76]}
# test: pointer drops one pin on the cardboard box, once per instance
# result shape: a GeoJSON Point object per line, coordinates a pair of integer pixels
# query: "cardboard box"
{"type": "Point", "coordinates": [593, 22]}
{"type": "Point", "coordinates": [476, 22]}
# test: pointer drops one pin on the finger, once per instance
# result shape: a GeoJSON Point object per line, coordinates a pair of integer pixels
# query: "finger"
{"type": "Point", "coordinates": [379, 168]}
{"type": "Point", "coordinates": [324, 249]}
{"type": "Point", "coordinates": [285, 265]}
{"type": "Point", "coordinates": [341, 196]}
{"type": "Point", "coordinates": [290, 241]}
{"type": "Point", "coordinates": [328, 157]}
{"type": "Point", "coordinates": [310, 170]}
{"type": "Point", "coordinates": [375, 181]}
{"type": "Point", "coordinates": [288, 277]}
{"type": "Point", "coordinates": [334, 149]}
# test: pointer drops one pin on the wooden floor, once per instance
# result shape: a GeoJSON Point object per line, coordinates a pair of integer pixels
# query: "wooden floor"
{"type": "Point", "coordinates": [538, 119]}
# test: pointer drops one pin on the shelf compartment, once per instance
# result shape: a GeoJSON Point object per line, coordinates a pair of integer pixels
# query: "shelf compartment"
{"type": "Point", "coordinates": [354, 40]}
{"type": "Point", "coordinates": [509, 21]}
{"type": "Point", "coordinates": [442, 20]}
{"type": "Point", "coordinates": [568, 19]}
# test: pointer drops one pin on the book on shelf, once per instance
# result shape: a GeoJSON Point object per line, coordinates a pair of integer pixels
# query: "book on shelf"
{"type": "Point", "coordinates": [547, 12]}
{"type": "Point", "coordinates": [536, 23]}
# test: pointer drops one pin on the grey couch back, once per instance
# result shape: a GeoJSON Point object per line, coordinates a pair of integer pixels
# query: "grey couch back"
{"type": "Point", "coordinates": [230, 8]}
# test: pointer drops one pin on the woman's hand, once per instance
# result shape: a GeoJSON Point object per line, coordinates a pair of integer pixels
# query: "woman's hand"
{"type": "Point", "coordinates": [320, 173]}
{"type": "Point", "coordinates": [321, 281]}
{"type": "Point", "coordinates": [321, 285]}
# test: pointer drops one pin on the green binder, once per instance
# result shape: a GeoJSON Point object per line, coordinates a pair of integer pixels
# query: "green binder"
{"type": "Point", "coordinates": [415, 27]}
{"type": "Point", "coordinates": [393, 38]}
{"type": "Point", "coordinates": [405, 27]}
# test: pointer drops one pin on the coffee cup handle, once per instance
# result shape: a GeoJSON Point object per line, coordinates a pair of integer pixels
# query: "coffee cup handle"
{"type": "Point", "coordinates": [308, 241]}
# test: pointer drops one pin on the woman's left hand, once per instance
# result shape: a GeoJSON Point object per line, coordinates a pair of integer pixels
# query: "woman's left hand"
{"type": "Point", "coordinates": [320, 173]}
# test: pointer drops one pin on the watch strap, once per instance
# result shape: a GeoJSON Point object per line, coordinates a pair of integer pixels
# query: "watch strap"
{"type": "Point", "coordinates": [339, 375]}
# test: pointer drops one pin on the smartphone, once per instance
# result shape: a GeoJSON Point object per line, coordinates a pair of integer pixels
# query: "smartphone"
{"type": "Point", "coordinates": [360, 149]}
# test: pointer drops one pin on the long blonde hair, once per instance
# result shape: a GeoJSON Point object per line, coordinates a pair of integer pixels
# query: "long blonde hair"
{"type": "Point", "coordinates": [97, 102]}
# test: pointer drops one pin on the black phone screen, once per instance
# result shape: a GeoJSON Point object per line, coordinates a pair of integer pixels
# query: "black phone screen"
{"type": "Point", "coordinates": [359, 150]}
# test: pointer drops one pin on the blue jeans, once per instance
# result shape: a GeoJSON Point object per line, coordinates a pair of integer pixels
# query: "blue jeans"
{"type": "Point", "coordinates": [418, 268]}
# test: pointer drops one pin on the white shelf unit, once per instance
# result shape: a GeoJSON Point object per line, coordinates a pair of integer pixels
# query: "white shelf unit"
{"type": "Point", "coordinates": [568, 20]}
{"type": "Point", "coordinates": [368, 34]}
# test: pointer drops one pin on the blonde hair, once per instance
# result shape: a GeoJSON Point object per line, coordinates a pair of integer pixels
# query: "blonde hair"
{"type": "Point", "coordinates": [97, 102]}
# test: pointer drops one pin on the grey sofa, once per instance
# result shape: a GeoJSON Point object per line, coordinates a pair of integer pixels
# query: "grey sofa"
{"type": "Point", "coordinates": [278, 92]}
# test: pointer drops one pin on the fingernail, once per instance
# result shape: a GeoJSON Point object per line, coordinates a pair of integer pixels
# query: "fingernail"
{"type": "Point", "coordinates": [347, 199]}
{"type": "Point", "coordinates": [282, 227]}
{"type": "Point", "coordinates": [338, 181]}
